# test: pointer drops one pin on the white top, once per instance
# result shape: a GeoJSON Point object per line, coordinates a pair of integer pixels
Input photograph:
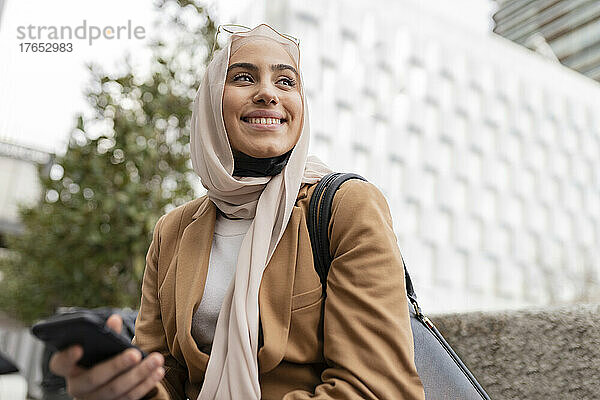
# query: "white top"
{"type": "Point", "coordinates": [227, 240]}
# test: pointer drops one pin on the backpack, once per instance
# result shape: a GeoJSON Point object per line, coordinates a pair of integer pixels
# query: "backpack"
{"type": "Point", "coordinates": [442, 372]}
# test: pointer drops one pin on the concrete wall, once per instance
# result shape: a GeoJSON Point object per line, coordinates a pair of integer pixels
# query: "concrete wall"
{"type": "Point", "coordinates": [535, 354]}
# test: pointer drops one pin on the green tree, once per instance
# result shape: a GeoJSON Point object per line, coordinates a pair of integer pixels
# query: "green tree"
{"type": "Point", "coordinates": [85, 243]}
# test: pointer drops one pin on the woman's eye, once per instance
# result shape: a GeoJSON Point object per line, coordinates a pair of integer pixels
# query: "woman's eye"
{"type": "Point", "coordinates": [287, 81]}
{"type": "Point", "coordinates": [242, 78]}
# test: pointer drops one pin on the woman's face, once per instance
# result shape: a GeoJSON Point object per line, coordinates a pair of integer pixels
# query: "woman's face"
{"type": "Point", "coordinates": [262, 105]}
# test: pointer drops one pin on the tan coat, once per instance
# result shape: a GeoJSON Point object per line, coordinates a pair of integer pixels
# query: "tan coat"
{"type": "Point", "coordinates": [355, 344]}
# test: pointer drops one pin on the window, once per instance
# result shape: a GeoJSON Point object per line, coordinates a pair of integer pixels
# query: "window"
{"type": "Point", "coordinates": [444, 227]}
{"type": "Point", "coordinates": [361, 160]}
{"type": "Point", "coordinates": [412, 218]}
{"type": "Point", "coordinates": [548, 132]}
{"type": "Point", "coordinates": [505, 242]}
{"type": "Point", "coordinates": [363, 132]}
{"type": "Point", "coordinates": [431, 122]}
{"type": "Point", "coordinates": [474, 102]}
{"type": "Point", "coordinates": [592, 205]}
{"type": "Point", "coordinates": [474, 233]}
{"type": "Point", "coordinates": [474, 165]}
{"type": "Point", "coordinates": [460, 196]}
{"type": "Point", "coordinates": [417, 82]}
{"type": "Point", "coordinates": [380, 141]}
{"type": "Point", "coordinates": [510, 87]}
{"type": "Point", "coordinates": [561, 224]}
{"type": "Point", "coordinates": [481, 275]}
{"type": "Point", "coordinates": [569, 140]}
{"type": "Point", "coordinates": [451, 268]}
{"type": "Point", "coordinates": [538, 217]}
{"type": "Point", "coordinates": [502, 176]}
{"type": "Point", "coordinates": [486, 78]}
{"type": "Point", "coordinates": [554, 105]}
{"type": "Point", "coordinates": [445, 95]}
{"type": "Point", "coordinates": [345, 126]}
{"type": "Point", "coordinates": [432, 55]}
{"type": "Point", "coordinates": [459, 68]}
{"type": "Point", "coordinates": [588, 146]}
{"type": "Point", "coordinates": [572, 197]}
{"type": "Point", "coordinates": [580, 171]}
{"type": "Point", "coordinates": [461, 129]}
{"type": "Point", "coordinates": [327, 89]}
{"type": "Point", "coordinates": [560, 164]}
{"type": "Point", "coordinates": [484, 137]}
{"type": "Point", "coordinates": [445, 158]}
{"type": "Point", "coordinates": [349, 56]}
{"type": "Point", "coordinates": [513, 211]}
{"type": "Point", "coordinates": [383, 91]}
{"type": "Point", "coordinates": [429, 187]}
{"type": "Point", "coordinates": [322, 147]}
{"type": "Point", "coordinates": [526, 183]}
{"type": "Point", "coordinates": [575, 114]}
{"type": "Point", "coordinates": [489, 205]}
{"type": "Point", "coordinates": [414, 149]}
{"type": "Point", "coordinates": [396, 178]}
{"type": "Point", "coordinates": [403, 46]}
{"type": "Point", "coordinates": [538, 157]}
{"type": "Point", "coordinates": [399, 112]}
{"type": "Point", "coordinates": [368, 105]}
{"type": "Point", "coordinates": [525, 122]}
{"type": "Point", "coordinates": [513, 147]}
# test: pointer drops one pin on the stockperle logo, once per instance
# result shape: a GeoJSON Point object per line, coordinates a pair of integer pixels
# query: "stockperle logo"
{"type": "Point", "coordinates": [84, 31]}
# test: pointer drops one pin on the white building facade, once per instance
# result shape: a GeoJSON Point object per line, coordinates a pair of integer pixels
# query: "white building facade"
{"type": "Point", "coordinates": [488, 154]}
{"type": "Point", "coordinates": [19, 183]}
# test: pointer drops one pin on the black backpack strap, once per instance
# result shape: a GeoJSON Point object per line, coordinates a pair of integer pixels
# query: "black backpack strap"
{"type": "Point", "coordinates": [319, 214]}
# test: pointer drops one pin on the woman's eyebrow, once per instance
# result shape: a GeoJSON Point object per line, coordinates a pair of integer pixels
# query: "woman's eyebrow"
{"type": "Point", "coordinates": [254, 68]}
{"type": "Point", "coordinates": [281, 67]}
{"type": "Point", "coordinates": [245, 65]}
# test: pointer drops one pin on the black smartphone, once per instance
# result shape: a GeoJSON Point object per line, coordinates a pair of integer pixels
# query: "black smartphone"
{"type": "Point", "coordinates": [86, 329]}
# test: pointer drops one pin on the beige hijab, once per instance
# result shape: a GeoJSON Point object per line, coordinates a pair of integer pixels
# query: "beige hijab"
{"type": "Point", "coordinates": [232, 371]}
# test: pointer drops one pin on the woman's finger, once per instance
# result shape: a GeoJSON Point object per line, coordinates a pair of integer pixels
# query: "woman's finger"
{"type": "Point", "coordinates": [128, 381]}
{"type": "Point", "coordinates": [115, 322]}
{"type": "Point", "coordinates": [90, 380]}
{"type": "Point", "coordinates": [146, 386]}
{"type": "Point", "coordinates": [64, 362]}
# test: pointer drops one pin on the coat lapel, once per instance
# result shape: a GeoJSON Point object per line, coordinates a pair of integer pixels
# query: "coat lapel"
{"type": "Point", "coordinates": [275, 296]}
{"type": "Point", "coordinates": [192, 267]}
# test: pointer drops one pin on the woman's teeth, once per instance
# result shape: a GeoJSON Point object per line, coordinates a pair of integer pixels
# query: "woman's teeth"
{"type": "Point", "coordinates": [263, 121]}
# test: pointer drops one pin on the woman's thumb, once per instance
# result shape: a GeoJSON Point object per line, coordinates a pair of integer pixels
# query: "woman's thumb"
{"type": "Point", "coordinates": [115, 322]}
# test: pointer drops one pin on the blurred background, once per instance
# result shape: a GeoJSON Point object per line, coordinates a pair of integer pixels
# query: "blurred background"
{"type": "Point", "coordinates": [476, 118]}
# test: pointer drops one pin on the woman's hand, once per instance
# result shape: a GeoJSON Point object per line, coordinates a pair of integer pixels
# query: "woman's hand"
{"type": "Point", "coordinates": [125, 376]}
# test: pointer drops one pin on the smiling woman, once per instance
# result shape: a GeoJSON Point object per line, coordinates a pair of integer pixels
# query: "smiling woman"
{"type": "Point", "coordinates": [232, 307]}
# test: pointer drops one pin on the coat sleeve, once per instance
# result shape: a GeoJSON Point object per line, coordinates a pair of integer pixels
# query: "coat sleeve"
{"type": "Point", "coordinates": [367, 339]}
{"type": "Point", "coordinates": [149, 331]}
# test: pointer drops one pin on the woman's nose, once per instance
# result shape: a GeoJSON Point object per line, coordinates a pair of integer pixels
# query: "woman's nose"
{"type": "Point", "coordinates": [266, 94]}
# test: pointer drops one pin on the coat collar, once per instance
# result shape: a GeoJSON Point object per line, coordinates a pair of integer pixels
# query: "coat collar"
{"type": "Point", "coordinates": [274, 295]}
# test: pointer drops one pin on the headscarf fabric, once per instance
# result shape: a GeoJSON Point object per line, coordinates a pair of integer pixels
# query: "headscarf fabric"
{"type": "Point", "coordinates": [232, 371]}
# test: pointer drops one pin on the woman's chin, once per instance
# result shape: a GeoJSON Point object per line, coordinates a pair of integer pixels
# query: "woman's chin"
{"type": "Point", "coordinates": [266, 152]}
